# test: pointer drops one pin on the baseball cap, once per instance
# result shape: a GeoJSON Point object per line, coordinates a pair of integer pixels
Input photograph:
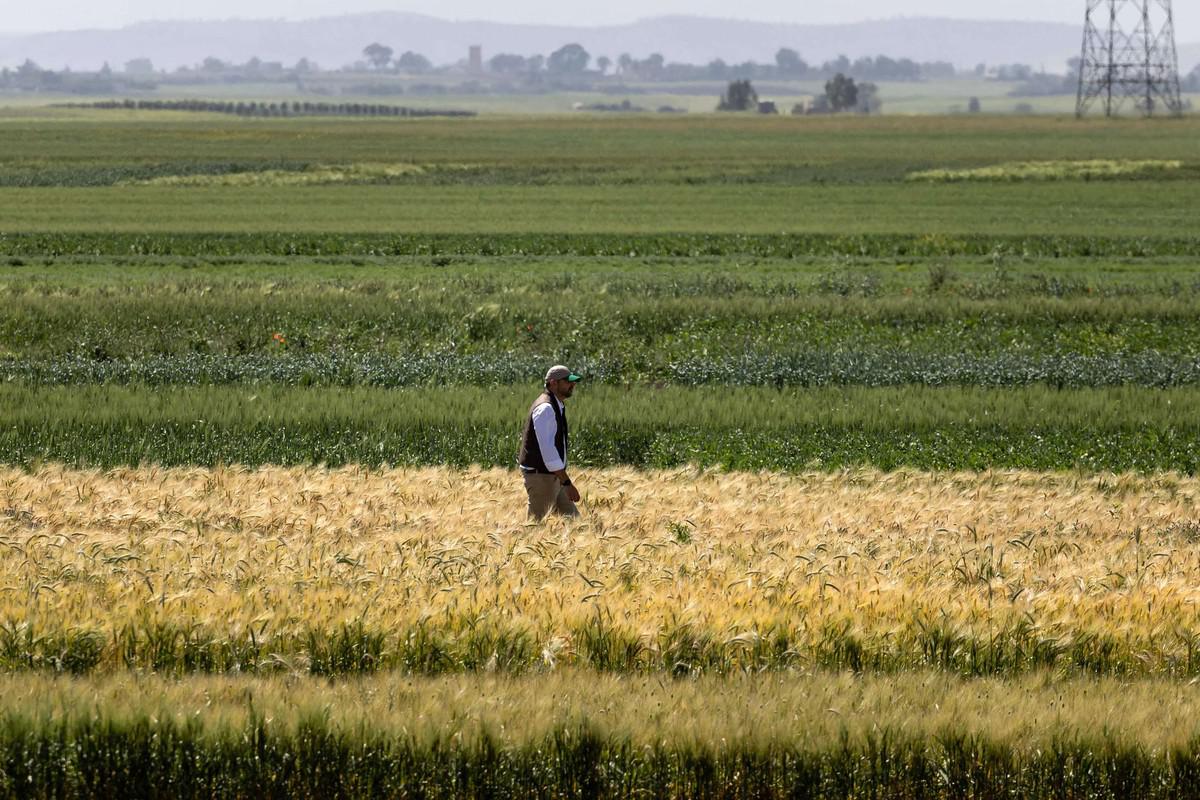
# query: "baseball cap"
{"type": "Point", "coordinates": [558, 372]}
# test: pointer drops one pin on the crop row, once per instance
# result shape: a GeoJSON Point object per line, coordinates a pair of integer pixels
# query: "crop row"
{"type": "Point", "coordinates": [591, 735]}
{"type": "Point", "coordinates": [832, 149]}
{"type": "Point", "coordinates": [1094, 169]}
{"type": "Point", "coordinates": [436, 570]}
{"type": "Point", "coordinates": [140, 756]}
{"type": "Point", "coordinates": [452, 644]}
{"type": "Point", "coordinates": [1037, 428]}
{"type": "Point", "coordinates": [138, 441]}
{"type": "Point", "coordinates": [254, 108]}
{"type": "Point", "coordinates": [769, 369]}
{"type": "Point", "coordinates": [662, 407]}
{"type": "Point", "coordinates": [646, 332]}
{"type": "Point", "coordinates": [629, 245]}
{"type": "Point", "coordinates": [113, 174]}
{"type": "Point", "coordinates": [247, 320]}
{"type": "Point", "coordinates": [915, 280]}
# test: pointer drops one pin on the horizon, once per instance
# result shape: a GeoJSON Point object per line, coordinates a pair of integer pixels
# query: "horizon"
{"type": "Point", "coordinates": [541, 23]}
{"type": "Point", "coordinates": [46, 18]}
{"type": "Point", "coordinates": [329, 39]}
{"type": "Point", "coordinates": [468, 19]}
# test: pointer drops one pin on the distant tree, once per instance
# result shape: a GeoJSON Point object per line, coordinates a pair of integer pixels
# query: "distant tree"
{"type": "Point", "coordinates": [937, 69]}
{"type": "Point", "coordinates": [507, 64]}
{"type": "Point", "coordinates": [739, 96]}
{"type": "Point", "coordinates": [413, 63]}
{"type": "Point", "coordinates": [568, 59]}
{"type": "Point", "coordinates": [650, 67]}
{"type": "Point", "coordinates": [624, 63]}
{"type": "Point", "coordinates": [105, 71]}
{"type": "Point", "coordinates": [28, 75]}
{"type": "Point", "coordinates": [868, 101]}
{"type": "Point", "coordinates": [839, 64]}
{"type": "Point", "coordinates": [211, 64]}
{"type": "Point", "coordinates": [907, 70]}
{"type": "Point", "coordinates": [980, 70]}
{"type": "Point", "coordinates": [863, 66]}
{"type": "Point", "coordinates": [1191, 83]}
{"type": "Point", "coordinates": [884, 68]}
{"type": "Point", "coordinates": [378, 55]}
{"type": "Point", "coordinates": [841, 92]}
{"type": "Point", "coordinates": [304, 65]}
{"type": "Point", "coordinates": [1012, 72]}
{"type": "Point", "coordinates": [603, 63]}
{"type": "Point", "coordinates": [139, 66]}
{"type": "Point", "coordinates": [535, 64]}
{"type": "Point", "coordinates": [50, 79]}
{"type": "Point", "coordinates": [973, 105]}
{"type": "Point", "coordinates": [717, 69]}
{"type": "Point", "coordinates": [789, 63]}
{"type": "Point", "coordinates": [747, 69]}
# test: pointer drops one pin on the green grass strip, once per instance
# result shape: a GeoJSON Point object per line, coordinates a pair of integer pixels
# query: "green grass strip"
{"type": "Point", "coordinates": [585, 244]}
{"type": "Point", "coordinates": [1116, 429]}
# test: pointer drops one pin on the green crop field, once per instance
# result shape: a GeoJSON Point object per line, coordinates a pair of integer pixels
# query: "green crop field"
{"type": "Point", "coordinates": [888, 442]}
{"type": "Point", "coordinates": [709, 174]}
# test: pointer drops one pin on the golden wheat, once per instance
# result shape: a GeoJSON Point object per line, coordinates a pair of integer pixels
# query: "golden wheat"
{"type": "Point", "coordinates": [880, 557]}
{"type": "Point", "coordinates": [1094, 169]}
{"type": "Point", "coordinates": [774, 709]}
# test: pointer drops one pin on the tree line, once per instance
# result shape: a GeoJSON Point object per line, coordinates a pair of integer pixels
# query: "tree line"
{"type": "Point", "coordinates": [841, 94]}
{"type": "Point", "coordinates": [570, 66]}
{"type": "Point", "coordinates": [284, 109]}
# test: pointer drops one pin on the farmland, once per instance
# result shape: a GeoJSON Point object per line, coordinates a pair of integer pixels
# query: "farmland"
{"type": "Point", "coordinates": [888, 443]}
{"type": "Point", "coordinates": [427, 570]}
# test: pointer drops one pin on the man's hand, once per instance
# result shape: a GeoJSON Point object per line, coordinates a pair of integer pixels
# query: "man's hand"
{"type": "Point", "coordinates": [565, 480]}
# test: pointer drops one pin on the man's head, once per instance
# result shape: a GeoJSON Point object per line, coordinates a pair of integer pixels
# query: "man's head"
{"type": "Point", "coordinates": [560, 381]}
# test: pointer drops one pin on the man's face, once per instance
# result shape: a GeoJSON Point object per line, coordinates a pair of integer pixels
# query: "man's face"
{"type": "Point", "coordinates": [562, 388]}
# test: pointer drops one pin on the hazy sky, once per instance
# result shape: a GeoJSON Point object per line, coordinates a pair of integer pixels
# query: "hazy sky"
{"type": "Point", "coordinates": [47, 15]}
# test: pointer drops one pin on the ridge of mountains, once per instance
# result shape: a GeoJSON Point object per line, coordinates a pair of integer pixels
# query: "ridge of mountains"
{"type": "Point", "coordinates": [338, 41]}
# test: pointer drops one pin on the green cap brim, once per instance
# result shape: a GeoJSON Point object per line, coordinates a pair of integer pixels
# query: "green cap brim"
{"type": "Point", "coordinates": [573, 377]}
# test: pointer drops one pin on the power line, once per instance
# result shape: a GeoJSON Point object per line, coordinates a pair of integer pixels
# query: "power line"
{"type": "Point", "coordinates": [1129, 55]}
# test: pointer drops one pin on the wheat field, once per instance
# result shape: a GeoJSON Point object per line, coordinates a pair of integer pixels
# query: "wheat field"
{"type": "Point", "coordinates": [761, 709]}
{"type": "Point", "coordinates": [435, 569]}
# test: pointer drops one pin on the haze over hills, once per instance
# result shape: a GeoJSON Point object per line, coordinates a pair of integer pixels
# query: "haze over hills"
{"type": "Point", "coordinates": [337, 41]}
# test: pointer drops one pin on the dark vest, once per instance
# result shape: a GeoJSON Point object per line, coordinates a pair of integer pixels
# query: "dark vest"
{"type": "Point", "coordinates": [530, 455]}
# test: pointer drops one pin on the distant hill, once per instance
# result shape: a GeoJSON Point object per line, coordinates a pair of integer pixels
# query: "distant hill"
{"type": "Point", "coordinates": [337, 41]}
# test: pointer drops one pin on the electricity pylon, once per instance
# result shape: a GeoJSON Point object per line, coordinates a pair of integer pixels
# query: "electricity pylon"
{"type": "Point", "coordinates": [1129, 54]}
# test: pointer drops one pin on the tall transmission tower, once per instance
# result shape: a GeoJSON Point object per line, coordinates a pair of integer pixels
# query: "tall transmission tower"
{"type": "Point", "coordinates": [1129, 54]}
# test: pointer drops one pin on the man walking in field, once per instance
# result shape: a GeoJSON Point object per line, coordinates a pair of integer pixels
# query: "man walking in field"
{"type": "Point", "coordinates": [543, 454]}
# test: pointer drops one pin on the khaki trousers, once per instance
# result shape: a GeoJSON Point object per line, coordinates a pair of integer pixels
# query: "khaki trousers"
{"type": "Point", "coordinates": [546, 494]}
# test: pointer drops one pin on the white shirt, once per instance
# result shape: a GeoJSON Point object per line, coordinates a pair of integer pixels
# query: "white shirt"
{"type": "Point", "coordinates": [545, 426]}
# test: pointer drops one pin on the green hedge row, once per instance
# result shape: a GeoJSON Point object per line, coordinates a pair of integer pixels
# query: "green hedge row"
{"type": "Point", "coordinates": [1141, 448]}
{"type": "Point", "coordinates": [632, 245]}
{"type": "Point", "coordinates": [804, 369]}
{"type": "Point", "coordinates": [737, 428]}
